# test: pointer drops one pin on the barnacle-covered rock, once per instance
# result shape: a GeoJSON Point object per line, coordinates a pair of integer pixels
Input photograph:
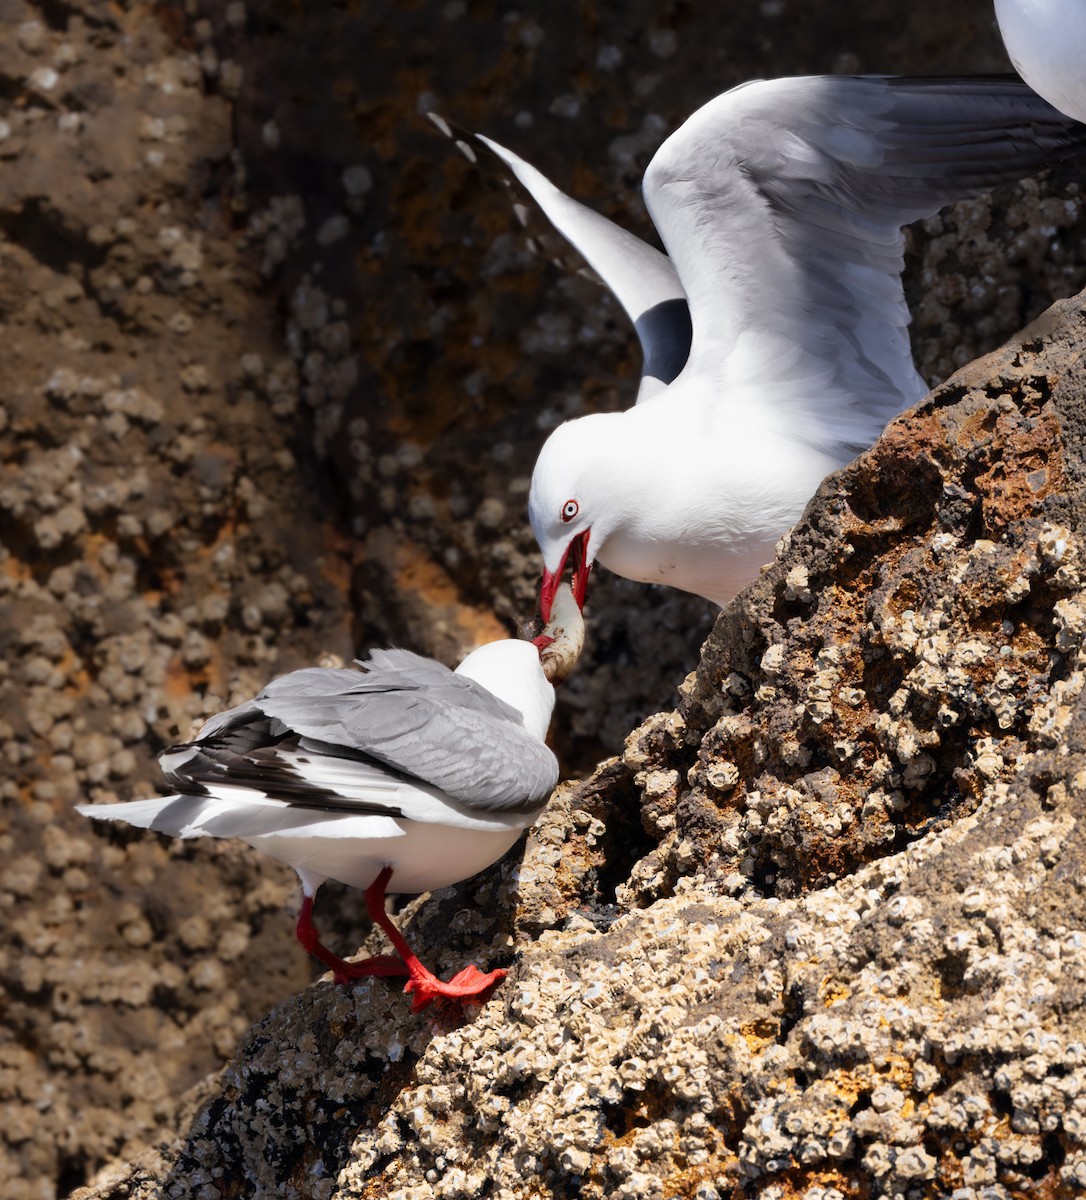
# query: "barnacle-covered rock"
{"type": "Point", "coordinates": [743, 961]}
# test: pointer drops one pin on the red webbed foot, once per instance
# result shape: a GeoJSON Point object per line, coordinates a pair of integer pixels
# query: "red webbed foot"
{"type": "Point", "coordinates": [468, 985]}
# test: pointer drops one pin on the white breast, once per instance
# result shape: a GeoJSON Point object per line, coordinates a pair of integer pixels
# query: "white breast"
{"type": "Point", "coordinates": [1046, 41]}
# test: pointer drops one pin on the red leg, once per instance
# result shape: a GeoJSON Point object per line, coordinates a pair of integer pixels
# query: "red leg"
{"type": "Point", "coordinates": [468, 984]}
{"type": "Point", "coordinates": [342, 971]}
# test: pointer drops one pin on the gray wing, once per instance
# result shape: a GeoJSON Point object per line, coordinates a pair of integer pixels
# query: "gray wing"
{"type": "Point", "coordinates": [642, 279]}
{"type": "Point", "coordinates": [418, 718]}
{"type": "Point", "coordinates": [319, 680]}
{"type": "Point", "coordinates": [781, 205]}
{"type": "Point", "coordinates": [388, 671]}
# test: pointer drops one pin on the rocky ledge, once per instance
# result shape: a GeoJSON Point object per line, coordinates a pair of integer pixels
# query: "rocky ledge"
{"type": "Point", "coordinates": [820, 931]}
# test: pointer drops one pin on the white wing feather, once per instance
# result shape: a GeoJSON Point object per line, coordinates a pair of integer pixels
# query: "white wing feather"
{"type": "Point", "coordinates": [781, 204]}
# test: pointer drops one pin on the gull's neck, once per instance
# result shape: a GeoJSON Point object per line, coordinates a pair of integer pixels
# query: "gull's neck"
{"type": "Point", "coordinates": [511, 670]}
{"type": "Point", "coordinates": [693, 506]}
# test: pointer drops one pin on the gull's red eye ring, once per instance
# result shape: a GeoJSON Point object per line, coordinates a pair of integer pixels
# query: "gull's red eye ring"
{"type": "Point", "coordinates": [569, 510]}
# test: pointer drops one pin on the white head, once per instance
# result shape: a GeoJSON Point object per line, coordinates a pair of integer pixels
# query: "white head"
{"type": "Point", "coordinates": [511, 670]}
{"type": "Point", "coordinates": [564, 505]}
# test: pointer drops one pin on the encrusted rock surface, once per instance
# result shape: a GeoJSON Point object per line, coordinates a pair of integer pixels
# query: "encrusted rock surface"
{"type": "Point", "coordinates": [845, 953]}
{"type": "Point", "coordinates": [276, 366]}
{"type": "Point", "coordinates": [918, 638]}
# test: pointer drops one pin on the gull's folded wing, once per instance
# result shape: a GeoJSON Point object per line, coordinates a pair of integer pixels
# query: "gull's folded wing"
{"type": "Point", "coordinates": [410, 714]}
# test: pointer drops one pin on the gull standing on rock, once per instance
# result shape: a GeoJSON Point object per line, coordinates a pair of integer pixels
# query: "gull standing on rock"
{"type": "Point", "coordinates": [404, 776]}
{"type": "Point", "coordinates": [1046, 41]}
{"type": "Point", "coordinates": [774, 329]}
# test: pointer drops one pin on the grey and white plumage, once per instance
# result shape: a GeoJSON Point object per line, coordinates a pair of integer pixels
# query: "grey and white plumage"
{"type": "Point", "coordinates": [781, 206]}
{"type": "Point", "coordinates": [1046, 41]}
{"type": "Point", "coordinates": [341, 772]}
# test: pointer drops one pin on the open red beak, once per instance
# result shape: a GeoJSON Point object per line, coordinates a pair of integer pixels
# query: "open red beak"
{"type": "Point", "coordinates": [577, 554]}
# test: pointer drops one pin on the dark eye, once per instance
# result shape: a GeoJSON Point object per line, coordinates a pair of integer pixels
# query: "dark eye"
{"type": "Point", "coordinates": [570, 509]}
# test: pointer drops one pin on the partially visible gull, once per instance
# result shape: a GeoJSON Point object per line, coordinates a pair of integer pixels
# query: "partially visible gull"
{"type": "Point", "coordinates": [774, 330]}
{"type": "Point", "coordinates": [404, 776]}
{"type": "Point", "coordinates": [1046, 41]}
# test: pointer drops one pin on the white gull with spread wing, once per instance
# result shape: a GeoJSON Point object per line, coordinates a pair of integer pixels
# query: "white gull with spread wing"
{"type": "Point", "coordinates": [775, 328]}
